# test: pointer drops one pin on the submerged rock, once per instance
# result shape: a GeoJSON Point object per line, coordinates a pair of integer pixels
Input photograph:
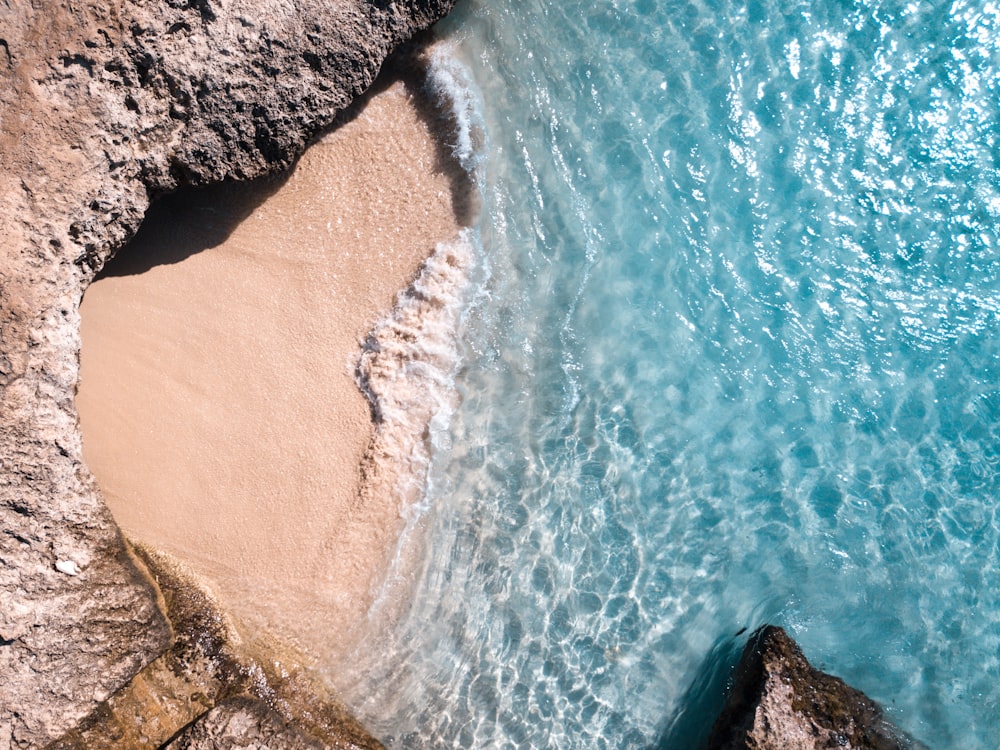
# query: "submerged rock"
{"type": "Point", "coordinates": [103, 106]}
{"type": "Point", "coordinates": [779, 701]}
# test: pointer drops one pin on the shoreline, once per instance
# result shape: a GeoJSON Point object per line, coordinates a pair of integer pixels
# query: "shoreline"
{"type": "Point", "coordinates": [107, 107]}
{"type": "Point", "coordinates": [245, 347]}
{"type": "Point", "coordinates": [211, 688]}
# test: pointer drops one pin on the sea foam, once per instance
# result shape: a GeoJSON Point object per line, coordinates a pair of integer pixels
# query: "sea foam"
{"type": "Point", "coordinates": [406, 370]}
{"type": "Point", "coordinates": [450, 83]}
{"type": "Point", "coordinates": [408, 361]}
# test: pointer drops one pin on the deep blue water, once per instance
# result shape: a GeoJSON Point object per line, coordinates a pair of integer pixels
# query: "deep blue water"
{"type": "Point", "coordinates": [732, 359]}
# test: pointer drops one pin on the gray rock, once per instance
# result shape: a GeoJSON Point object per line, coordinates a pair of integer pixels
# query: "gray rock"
{"type": "Point", "coordinates": [103, 106]}
{"type": "Point", "coordinates": [779, 701]}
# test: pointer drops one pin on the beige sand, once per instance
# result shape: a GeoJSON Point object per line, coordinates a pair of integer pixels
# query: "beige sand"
{"type": "Point", "coordinates": [218, 403]}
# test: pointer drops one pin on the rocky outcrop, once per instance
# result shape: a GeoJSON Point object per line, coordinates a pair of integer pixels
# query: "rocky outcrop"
{"type": "Point", "coordinates": [207, 691]}
{"type": "Point", "coordinates": [779, 701]}
{"type": "Point", "coordinates": [103, 106]}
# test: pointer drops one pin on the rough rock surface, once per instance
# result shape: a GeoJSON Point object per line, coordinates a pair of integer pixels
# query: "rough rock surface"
{"type": "Point", "coordinates": [243, 723]}
{"type": "Point", "coordinates": [103, 106]}
{"type": "Point", "coordinates": [207, 686]}
{"type": "Point", "coordinates": [779, 701]}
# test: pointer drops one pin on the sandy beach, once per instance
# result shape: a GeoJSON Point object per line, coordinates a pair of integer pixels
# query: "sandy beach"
{"type": "Point", "coordinates": [218, 398]}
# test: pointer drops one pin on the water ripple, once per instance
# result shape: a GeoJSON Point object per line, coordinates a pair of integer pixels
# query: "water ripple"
{"type": "Point", "coordinates": [736, 363]}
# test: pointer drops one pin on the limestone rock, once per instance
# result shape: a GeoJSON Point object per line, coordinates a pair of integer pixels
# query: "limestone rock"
{"type": "Point", "coordinates": [103, 106]}
{"type": "Point", "coordinates": [779, 701]}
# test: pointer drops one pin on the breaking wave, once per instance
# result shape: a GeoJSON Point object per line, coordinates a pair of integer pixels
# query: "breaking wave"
{"type": "Point", "coordinates": [407, 364]}
{"type": "Point", "coordinates": [409, 360]}
{"type": "Point", "coordinates": [451, 85]}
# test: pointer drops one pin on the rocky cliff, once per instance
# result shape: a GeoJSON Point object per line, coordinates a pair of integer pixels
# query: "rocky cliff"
{"type": "Point", "coordinates": [103, 106]}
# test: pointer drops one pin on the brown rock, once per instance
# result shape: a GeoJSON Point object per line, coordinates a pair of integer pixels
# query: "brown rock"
{"type": "Point", "coordinates": [207, 687]}
{"type": "Point", "coordinates": [243, 724]}
{"type": "Point", "coordinates": [779, 701]}
{"type": "Point", "coordinates": [102, 107]}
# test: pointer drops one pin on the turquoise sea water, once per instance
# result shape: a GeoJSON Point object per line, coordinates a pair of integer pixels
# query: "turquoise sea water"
{"type": "Point", "coordinates": [732, 358]}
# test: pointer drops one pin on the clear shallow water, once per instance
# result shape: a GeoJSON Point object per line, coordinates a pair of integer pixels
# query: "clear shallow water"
{"type": "Point", "coordinates": [734, 360]}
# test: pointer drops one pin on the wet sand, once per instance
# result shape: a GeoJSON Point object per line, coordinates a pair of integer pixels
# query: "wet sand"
{"type": "Point", "coordinates": [218, 400]}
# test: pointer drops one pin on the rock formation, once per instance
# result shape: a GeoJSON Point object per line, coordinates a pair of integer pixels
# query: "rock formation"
{"type": "Point", "coordinates": [205, 692]}
{"type": "Point", "coordinates": [103, 106]}
{"type": "Point", "coordinates": [779, 701]}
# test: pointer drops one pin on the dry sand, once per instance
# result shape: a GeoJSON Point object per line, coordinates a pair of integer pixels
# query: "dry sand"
{"type": "Point", "coordinates": [218, 400]}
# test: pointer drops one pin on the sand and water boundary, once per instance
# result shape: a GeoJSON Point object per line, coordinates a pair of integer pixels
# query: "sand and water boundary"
{"type": "Point", "coordinates": [219, 396]}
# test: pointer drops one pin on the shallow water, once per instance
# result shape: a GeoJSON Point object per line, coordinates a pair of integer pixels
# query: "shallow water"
{"type": "Point", "coordinates": [733, 359]}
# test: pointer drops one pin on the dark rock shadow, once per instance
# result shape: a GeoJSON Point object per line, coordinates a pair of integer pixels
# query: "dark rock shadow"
{"type": "Point", "coordinates": [689, 727]}
{"type": "Point", "coordinates": [409, 65]}
{"type": "Point", "coordinates": [183, 223]}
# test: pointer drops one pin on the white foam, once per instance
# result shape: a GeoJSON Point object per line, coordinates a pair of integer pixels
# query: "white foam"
{"type": "Point", "coordinates": [451, 83]}
{"type": "Point", "coordinates": [406, 370]}
{"type": "Point", "coordinates": [412, 354]}
{"type": "Point", "coordinates": [409, 360]}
